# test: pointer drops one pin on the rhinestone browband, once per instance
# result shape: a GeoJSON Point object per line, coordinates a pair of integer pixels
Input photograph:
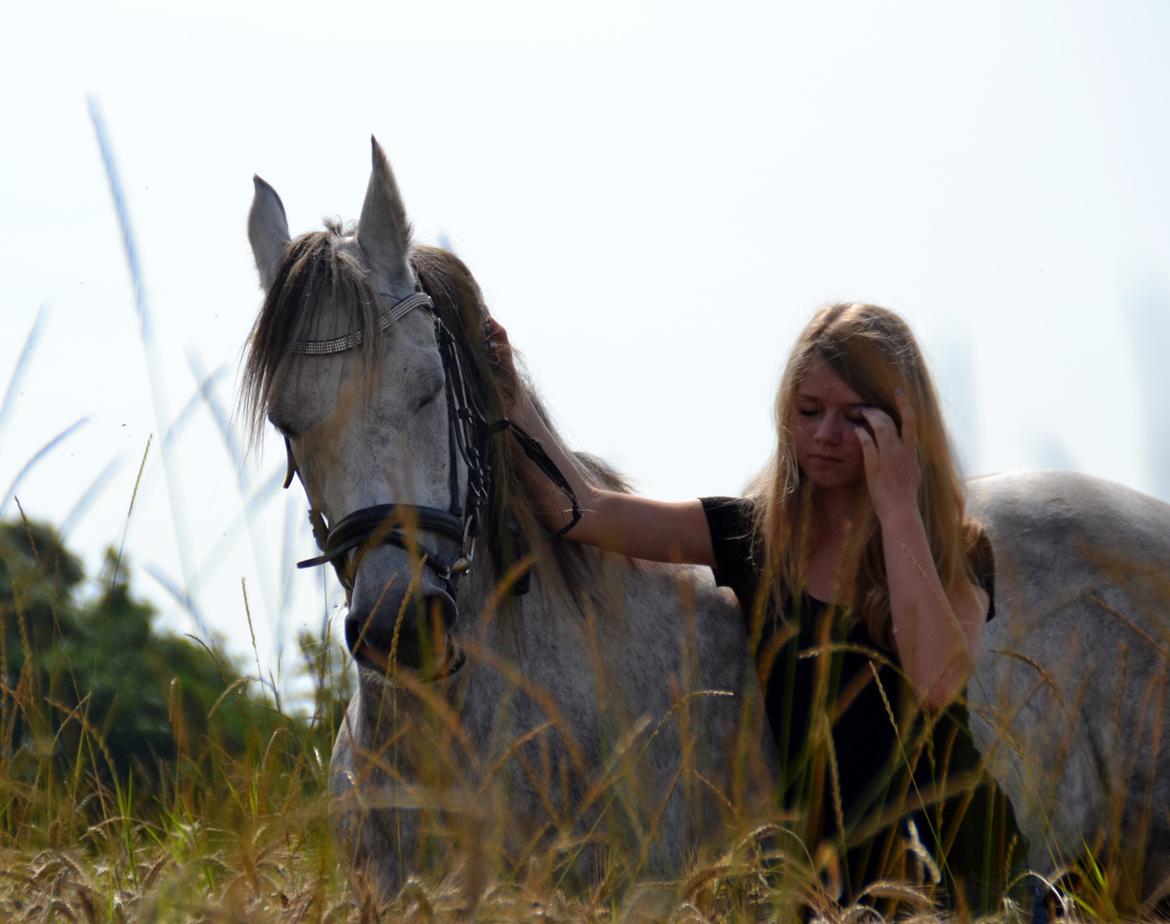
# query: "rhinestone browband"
{"type": "Point", "coordinates": [349, 341]}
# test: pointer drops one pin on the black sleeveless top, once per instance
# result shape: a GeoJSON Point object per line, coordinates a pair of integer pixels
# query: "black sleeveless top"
{"type": "Point", "coordinates": [825, 681]}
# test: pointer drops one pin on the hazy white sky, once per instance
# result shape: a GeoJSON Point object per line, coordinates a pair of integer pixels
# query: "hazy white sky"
{"type": "Point", "coordinates": [654, 196]}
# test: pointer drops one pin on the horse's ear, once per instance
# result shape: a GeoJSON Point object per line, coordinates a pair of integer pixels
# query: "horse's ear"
{"type": "Point", "coordinates": [383, 231]}
{"type": "Point", "coordinates": [267, 230]}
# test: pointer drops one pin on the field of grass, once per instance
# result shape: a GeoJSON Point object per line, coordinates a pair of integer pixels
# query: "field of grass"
{"type": "Point", "coordinates": [230, 829]}
{"type": "Point", "coordinates": [245, 837]}
{"type": "Point", "coordinates": [223, 837]}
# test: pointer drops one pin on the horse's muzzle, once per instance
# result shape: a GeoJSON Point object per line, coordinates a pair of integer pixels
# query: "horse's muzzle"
{"type": "Point", "coordinates": [414, 635]}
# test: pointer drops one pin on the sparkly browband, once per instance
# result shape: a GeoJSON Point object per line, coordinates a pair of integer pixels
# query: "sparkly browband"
{"type": "Point", "coordinates": [349, 341]}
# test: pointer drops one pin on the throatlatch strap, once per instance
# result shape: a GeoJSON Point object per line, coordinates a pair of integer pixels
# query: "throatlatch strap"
{"type": "Point", "coordinates": [536, 453]}
{"type": "Point", "coordinates": [292, 463]}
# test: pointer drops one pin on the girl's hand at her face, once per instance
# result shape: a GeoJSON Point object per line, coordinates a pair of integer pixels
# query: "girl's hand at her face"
{"type": "Point", "coordinates": [892, 475]}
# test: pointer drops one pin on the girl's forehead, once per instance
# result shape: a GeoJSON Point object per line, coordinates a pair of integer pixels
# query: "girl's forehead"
{"type": "Point", "coordinates": [823, 384]}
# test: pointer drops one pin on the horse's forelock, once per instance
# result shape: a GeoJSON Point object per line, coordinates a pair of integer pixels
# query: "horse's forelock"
{"type": "Point", "coordinates": [317, 278]}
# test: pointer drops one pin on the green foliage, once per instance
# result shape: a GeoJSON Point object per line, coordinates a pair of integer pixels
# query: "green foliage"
{"type": "Point", "coordinates": [93, 696]}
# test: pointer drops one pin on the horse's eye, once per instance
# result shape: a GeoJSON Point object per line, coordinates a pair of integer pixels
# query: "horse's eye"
{"type": "Point", "coordinates": [282, 427]}
{"type": "Point", "coordinates": [432, 387]}
{"type": "Point", "coordinates": [428, 399]}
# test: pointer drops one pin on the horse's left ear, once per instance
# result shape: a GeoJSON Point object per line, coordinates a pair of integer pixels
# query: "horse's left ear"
{"type": "Point", "coordinates": [267, 230]}
{"type": "Point", "coordinates": [383, 231]}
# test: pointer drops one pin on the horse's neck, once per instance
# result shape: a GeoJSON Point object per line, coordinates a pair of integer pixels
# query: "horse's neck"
{"type": "Point", "coordinates": [483, 600]}
{"type": "Point", "coordinates": [484, 604]}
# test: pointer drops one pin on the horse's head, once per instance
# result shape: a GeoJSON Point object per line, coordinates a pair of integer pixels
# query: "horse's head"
{"type": "Point", "coordinates": [366, 419]}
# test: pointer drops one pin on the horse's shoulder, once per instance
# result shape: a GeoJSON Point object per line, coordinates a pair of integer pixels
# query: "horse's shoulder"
{"type": "Point", "coordinates": [693, 582]}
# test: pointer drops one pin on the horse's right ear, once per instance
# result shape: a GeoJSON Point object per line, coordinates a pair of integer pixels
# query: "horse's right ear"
{"type": "Point", "coordinates": [267, 230]}
{"type": "Point", "coordinates": [383, 232]}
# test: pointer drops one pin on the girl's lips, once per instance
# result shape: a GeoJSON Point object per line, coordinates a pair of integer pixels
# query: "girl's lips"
{"type": "Point", "coordinates": [822, 458]}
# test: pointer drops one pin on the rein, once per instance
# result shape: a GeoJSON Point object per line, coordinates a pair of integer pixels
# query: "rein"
{"type": "Point", "coordinates": [470, 435]}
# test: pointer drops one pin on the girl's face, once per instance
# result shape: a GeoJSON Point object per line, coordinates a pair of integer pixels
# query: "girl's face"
{"type": "Point", "coordinates": [824, 432]}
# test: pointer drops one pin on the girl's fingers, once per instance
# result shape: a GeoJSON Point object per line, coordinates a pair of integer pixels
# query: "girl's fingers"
{"type": "Point", "coordinates": [494, 330]}
{"type": "Point", "coordinates": [884, 431]}
{"type": "Point", "coordinates": [906, 412]}
{"type": "Point", "coordinates": [495, 337]}
{"type": "Point", "coordinates": [869, 450]}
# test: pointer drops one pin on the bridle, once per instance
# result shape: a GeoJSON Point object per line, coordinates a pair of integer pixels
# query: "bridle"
{"type": "Point", "coordinates": [469, 440]}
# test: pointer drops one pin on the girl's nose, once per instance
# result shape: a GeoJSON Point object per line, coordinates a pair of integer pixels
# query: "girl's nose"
{"type": "Point", "coordinates": [829, 430]}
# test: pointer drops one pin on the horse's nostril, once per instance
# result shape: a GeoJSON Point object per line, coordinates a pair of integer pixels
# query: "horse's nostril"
{"type": "Point", "coordinates": [441, 610]}
{"type": "Point", "coordinates": [415, 638]}
{"type": "Point", "coordinates": [358, 638]}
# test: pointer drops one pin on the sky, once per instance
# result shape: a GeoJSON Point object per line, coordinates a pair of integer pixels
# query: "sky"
{"type": "Point", "coordinates": [654, 197]}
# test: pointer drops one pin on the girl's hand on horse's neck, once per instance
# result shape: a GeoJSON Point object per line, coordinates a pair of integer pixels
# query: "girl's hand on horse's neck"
{"type": "Point", "coordinates": [670, 531]}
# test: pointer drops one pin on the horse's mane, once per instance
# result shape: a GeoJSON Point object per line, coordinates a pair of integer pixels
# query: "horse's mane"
{"type": "Point", "coordinates": [316, 271]}
{"type": "Point", "coordinates": [459, 303]}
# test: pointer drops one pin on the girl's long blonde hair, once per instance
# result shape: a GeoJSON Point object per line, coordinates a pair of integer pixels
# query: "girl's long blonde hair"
{"type": "Point", "coordinates": [874, 352]}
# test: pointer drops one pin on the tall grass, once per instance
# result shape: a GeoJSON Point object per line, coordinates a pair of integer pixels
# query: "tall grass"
{"type": "Point", "coordinates": [228, 833]}
{"type": "Point", "coordinates": [218, 836]}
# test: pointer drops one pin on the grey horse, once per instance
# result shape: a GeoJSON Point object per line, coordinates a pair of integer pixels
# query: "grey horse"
{"type": "Point", "coordinates": [606, 721]}
{"type": "Point", "coordinates": [593, 723]}
{"type": "Point", "coordinates": [1070, 695]}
